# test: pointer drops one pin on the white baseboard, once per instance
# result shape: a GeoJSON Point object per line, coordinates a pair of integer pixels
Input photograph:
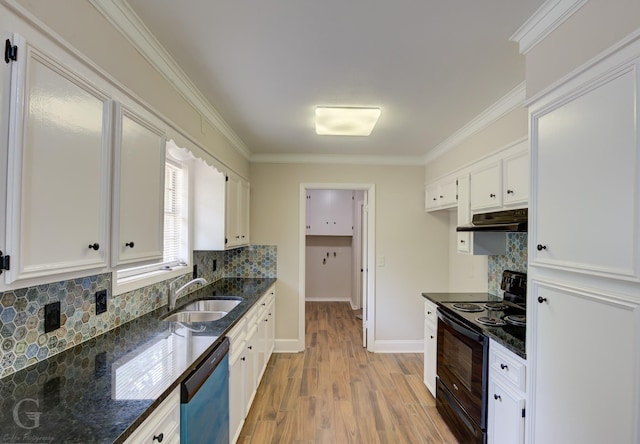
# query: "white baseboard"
{"type": "Point", "coordinates": [288, 346]}
{"type": "Point", "coordinates": [329, 299]}
{"type": "Point", "coordinates": [409, 346]}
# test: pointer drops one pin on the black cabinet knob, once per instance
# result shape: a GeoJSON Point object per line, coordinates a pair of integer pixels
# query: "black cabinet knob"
{"type": "Point", "coordinates": [435, 198]}
{"type": "Point", "coordinates": [462, 241]}
{"type": "Point", "coordinates": [129, 244]}
{"type": "Point", "coordinates": [541, 247]}
{"type": "Point", "coordinates": [243, 359]}
{"type": "Point", "coordinates": [492, 195]}
{"type": "Point", "coordinates": [504, 366]}
{"type": "Point", "coordinates": [250, 347]}
{"type": "Point", "coordinates": [441, 197]}
{"type": "Point", "coordinates": [541, 299]}
{"type": "Point", "coordinates": [159, 437]}
{"type": "Point", "coordinates": [497, 397]}
{"type": "Point", "coordinates": [94, 246]}
{"type": "Point", "coordinates": [509, 191]}
{"type": "Point", "coordinates": [431, 336]}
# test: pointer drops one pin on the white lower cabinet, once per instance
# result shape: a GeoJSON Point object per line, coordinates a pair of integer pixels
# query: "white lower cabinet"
{"type": "Point", "coordinates": [430, 346]}
{"type": "Point", "coordinates": [163, 425]}
{"type": "Point", "coordinates": [252, 343]}
{"type": "Point", "coordinates": [506, 396]}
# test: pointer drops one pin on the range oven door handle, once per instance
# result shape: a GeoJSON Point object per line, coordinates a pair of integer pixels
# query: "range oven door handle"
{"type": "Point", "coordinates": [457, 326]}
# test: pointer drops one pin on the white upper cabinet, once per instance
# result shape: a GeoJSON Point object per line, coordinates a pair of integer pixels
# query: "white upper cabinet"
{"type": "Point", "coordinates": [138, 197]}
{"type": "Point", "coordinates": [442, 194]}
{"type": "Point", "coordinates": [486, 187]}
{"type": "Point", "coordinates": [330, 212]}
{"type": "Point", "coordinates": [237, 211]}
{"type": "Point", "coordinates": [587, 179]}
{"type": "Point", "coordinates": [57, 169]}
{"type": "Point", "coordinates": [515, 175]}
{"type": "Point", "coordinates": [209, 199]}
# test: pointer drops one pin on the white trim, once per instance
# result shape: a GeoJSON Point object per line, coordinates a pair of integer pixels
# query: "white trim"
{"type": "Point", "coordinates": [371, 239]}
{"type": "Point", "coordinates": [337, 159]}
{"type": "Point", "coordinates": [125, 20]}
{"type": "Point", "coordinates": [543, 22]}
{"type": "Point", "coordinates": [288, 346]}
{"type": "Point", "coordinates": [509, 102]}
{"type": "Point", "coordinates": [406, 346]}
{"type": "Point", "coordinates": [124, 285]}
{"type": "Point", "coordinates": [329, 299]}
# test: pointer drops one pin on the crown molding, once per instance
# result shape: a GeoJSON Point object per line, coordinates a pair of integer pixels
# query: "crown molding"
{"type": "Point", "coordinates": [338, 159]}
{"type": "Point", "coordinates": [125, 20]}
{"type": "Point", "coordinates": [544, 21]}
{"type": "Point", "coordinates": [512, 100]}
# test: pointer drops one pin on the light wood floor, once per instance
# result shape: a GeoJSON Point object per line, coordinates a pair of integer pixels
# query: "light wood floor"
{"type": "Point", "coordinates": [337, 392]}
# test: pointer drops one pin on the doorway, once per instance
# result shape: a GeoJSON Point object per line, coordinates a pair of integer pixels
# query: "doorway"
{"type": "Point", "coordinates": [362, 245]}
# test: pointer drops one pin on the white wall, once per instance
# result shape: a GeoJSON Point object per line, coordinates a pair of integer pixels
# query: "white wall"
{"type": "Point", "coordinates": [413, 243]}
{"type": "Point", "coordinates": [328, 268]}
{"type": "Point", "coordinates": [595, 27]}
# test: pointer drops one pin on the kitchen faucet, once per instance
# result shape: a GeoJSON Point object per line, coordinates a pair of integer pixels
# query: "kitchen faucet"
{"type": "Point", "coordinates": [173, 293]}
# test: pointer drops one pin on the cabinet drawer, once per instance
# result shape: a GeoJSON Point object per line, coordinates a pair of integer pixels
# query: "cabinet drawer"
{"type": "Point", "coordinates": [507, 366]}
{"type": "Point", "coordinates": [165, 421]}
{"type": "Point", "coordinates": [430, 314]}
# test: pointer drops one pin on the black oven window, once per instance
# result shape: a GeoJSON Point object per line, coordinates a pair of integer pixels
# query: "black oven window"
{"type": "Point", "coordinates": [458, 358]}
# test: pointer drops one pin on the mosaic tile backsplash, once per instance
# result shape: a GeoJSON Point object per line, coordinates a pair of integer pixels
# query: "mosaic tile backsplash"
{"type": "Point", "coordinates": [515, 260]}
{"type": "Point", "coordinates": [22, 338]}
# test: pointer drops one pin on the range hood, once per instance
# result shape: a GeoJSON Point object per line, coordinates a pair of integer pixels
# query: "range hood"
{"type": "Point", "coordinates": [505, 221]}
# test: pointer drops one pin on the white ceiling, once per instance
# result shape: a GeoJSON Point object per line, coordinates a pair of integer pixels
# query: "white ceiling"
{"type": "Point", "coordinates": [430, 65]}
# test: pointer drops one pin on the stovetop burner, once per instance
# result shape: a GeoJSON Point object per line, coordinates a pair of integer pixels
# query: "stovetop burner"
{"type": "Point", "coordinates": [491, 322]}
{"type": "Point", "coordinates": [519, 320]}
{"type": "Point", "coordinates": [495, 306]}
{"type": "Point", "coordinates": [467, 308]}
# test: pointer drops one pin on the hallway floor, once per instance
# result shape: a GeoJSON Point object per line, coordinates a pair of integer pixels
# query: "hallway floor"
{"type": "Point", "coordinates": [337, 392]}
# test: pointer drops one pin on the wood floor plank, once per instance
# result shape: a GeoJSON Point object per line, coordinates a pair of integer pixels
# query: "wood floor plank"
{"type": "Point", "coordinates": [338, 392]}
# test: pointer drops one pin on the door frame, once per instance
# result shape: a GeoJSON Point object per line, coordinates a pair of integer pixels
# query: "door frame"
{"type": "Point", "coordinates": [370, 190]}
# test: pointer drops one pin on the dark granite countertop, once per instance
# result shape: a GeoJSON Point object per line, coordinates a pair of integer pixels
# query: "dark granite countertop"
{"type": "Point", "coordinates": [101, 390]}
{"type": "Point", "coordinates": [509, 341]}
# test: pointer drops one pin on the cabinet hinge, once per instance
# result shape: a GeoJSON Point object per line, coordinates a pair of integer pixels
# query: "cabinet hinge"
{"type": "Point", "coordinates": [4, 262]}
{"type": "Point", "coordinates": [10, 52]}
{"type": "Point", "coordinates": [523, 411]}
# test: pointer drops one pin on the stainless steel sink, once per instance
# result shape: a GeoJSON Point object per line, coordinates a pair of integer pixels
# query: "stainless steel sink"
{"type": "Point", "coordinates": [225, 305]}
{"type": "Point", "coordinates": [195, 316]}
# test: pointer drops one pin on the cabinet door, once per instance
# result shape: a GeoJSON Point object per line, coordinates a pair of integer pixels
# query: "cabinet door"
{"type": "Point", "coordinates": [430, 356]}
{"type": "Point", "coordinates": [243, 212]}
{"type": "Point", "coordinates": [232, 209]}
{"type": "Point", "coordinates": [331, 212]}
{"type": "Point", "coordinates": [139, 177]}
{"type": "Point", "coordinates": [237, 404]}
{"type": "Point", "coordinates": [58, 169]}
{"type": "Point", "coordinates": [505, 418]}
{"type": "Point", "coordinates": [486, 187]}
{"type": "Point", "coordinates": [271, 329]}
{"type": "Point", "coordinates": [516, 179]}
{"type": "Point", "coordinates": [585, 376]}
{"type": "Point", "coordinates": [250, 382]}
{"type": "Point", "coordinates": [448, 190]}
{"type": "Point", "coordinates": [209, 197]}
{"type": "Point", "coordinates": [431, 196]}
{"type": "Point", "coordinates": [585, 205]}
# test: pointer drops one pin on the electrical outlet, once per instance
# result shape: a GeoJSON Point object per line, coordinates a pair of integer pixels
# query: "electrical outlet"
{"type": "Point", "coordinates": [101, 301]}
{"type": "Point", "coordinates": [51, 316]}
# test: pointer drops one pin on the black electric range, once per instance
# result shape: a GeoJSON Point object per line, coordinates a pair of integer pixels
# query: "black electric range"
{"type": "Point", "coordinates": [490, 317]}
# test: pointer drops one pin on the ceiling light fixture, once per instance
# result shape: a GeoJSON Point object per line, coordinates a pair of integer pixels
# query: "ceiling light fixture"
{"type": "Point", "coordinates": [345, 121]}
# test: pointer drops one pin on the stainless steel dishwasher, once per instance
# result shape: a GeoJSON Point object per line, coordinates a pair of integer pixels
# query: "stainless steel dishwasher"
{"type": "Point", "coordinates": [204, 400]}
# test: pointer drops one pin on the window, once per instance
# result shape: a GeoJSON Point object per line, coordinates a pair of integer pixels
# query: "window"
{"type": "Point", "coordinates": [176, 234]}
